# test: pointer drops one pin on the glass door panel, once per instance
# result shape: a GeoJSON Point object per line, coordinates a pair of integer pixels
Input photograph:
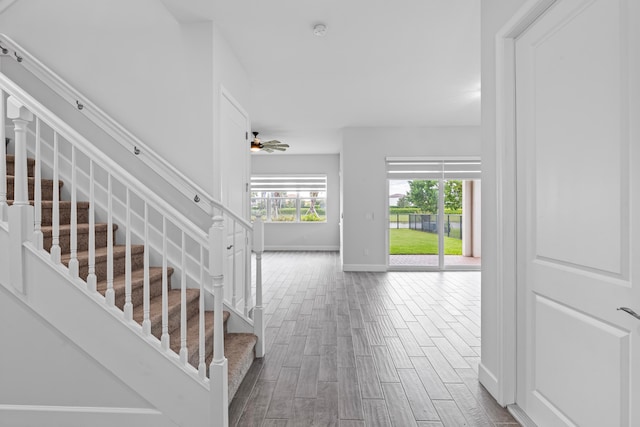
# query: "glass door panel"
{"type": "Point", "coordinates": [414, 223]}
{"type": "Point", "coordinates": [461, 223]}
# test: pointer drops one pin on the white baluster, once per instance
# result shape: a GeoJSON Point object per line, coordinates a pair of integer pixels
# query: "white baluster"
{"type": "Point", "coordinates": [3, 160]}
{"type": "Point", "coordinates": [91, 277]}
{"type": "Point", "coordinates": [146, 322]}
{"type": "Point", "coordinates": [110, 295]}
{"type": "Point", "coordinates": [128, 306]}
{"type": "Point", "coordinates": [248, 297]}
{"type": "Point", "coordinates": [234, 291]}
{"type": "Point", "coordinates": [164, 339]}
{"type": "Point", "coordinates": [184, 352]}
{"type": "Point", "coordinates": [55, 209]}
{"type": "Point", "coordinates": [258, 312]}
{"type": "Point", "coordinates": [218, 368]}
{"type": "Point", "coordinates": [74, 266]}
{"type": "Point", "coordinates": [38, 238]}
{"type": "Point", "coordinates": [202, 369]}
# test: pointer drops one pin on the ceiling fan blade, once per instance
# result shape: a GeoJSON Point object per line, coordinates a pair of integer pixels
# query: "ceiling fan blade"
{"type": "Point", "coordinates": [273, 141]}
{"type": "Point", "coordinates": [267, 149]}
{"type": "Point", "coordinates": [278, 148]}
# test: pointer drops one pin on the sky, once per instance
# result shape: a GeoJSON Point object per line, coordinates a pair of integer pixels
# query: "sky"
{"type": "Point", "coordinates": [398, 186]}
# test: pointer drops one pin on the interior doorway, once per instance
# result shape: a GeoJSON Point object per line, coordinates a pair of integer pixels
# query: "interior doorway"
{"type": "Point", "coordinates": [434, 214]}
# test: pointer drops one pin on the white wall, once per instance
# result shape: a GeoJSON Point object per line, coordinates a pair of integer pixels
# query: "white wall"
{"type": "Point", "coordinates": [228, 73]}
{"type": "Point", "coordinates": [365, 207]}
{"type": "Point", "coordinates": [136, 62]}
{"type": "Point", "coordinates": [304, 236]}
{"type": "Point", "coordinates": [158, 77]}
{"type": "Point", "coordinates": [495, 13]}
{"type": "Point", "coordinates": [41, 352]}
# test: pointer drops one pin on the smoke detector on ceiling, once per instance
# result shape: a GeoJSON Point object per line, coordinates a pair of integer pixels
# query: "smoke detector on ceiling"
{"type": "Point", "coordinates": [319, 30]}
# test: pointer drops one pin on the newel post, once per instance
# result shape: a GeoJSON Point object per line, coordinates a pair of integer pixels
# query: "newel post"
{"type": "Point", "coordinates": [218, 374]}
{"type": "Point", "coordinates": [21, 212]}
{"type": "Point", "coordinates": [258, 312]}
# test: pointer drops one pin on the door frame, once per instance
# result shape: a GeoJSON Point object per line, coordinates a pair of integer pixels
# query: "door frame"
{"type": "Point", "coordinates": [441, 256]}
{"type": "Point", "coordinates": [503, 388]}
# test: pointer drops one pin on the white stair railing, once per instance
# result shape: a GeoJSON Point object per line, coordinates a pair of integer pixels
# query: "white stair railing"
{"type": "Point", "coordinates": [165, 235]}
{"type": "Point", "coordinates": [241, 297]}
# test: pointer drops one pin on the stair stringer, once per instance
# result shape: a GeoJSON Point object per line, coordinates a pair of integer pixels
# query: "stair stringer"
{"type": "Point", "coordinates": [49, 381]}
{"type": "Point", "coordinates": [119, 346]}
{"type": "Point", "coordinates": [237, 322]}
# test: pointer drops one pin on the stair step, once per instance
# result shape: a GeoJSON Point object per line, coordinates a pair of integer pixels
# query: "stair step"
{"type": "Point", "coordinates": [82, 211]}
{"type": "Point", "coordinates": [239, 349]}
{"type": "Point", "coordinates": [119, 251]}
{"type": "Point", "coordinates": [46, 188]}
{"type": "Point", "coordinates": [82, 236]}
{"type": "Point", "coordinates": [137, 288]}
{"type": "Point", "coordinates": [173, 311]}
{"type": "Point", "coordinates": [193, 337]}
{"type": "Point", "coordinates": [11, 162]}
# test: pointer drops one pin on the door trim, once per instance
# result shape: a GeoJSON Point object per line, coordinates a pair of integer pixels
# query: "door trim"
{"type": "Point", "coordinates": [502, 385]}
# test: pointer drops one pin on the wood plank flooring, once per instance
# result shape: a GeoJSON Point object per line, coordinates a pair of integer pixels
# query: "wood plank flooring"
{"type": "Point", "coordinates": [366, 349]}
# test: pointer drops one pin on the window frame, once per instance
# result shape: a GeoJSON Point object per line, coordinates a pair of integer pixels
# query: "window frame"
{"type": "Point", "coordinates": [296, 187]}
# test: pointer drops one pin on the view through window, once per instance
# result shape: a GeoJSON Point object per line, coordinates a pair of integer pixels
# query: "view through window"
{"type": "Point", "coordinates": [289, 198]}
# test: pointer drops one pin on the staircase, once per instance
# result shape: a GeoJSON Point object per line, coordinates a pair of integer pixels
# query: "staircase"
{"type": "Point", "coordinates": [132, 283]}
{"type": "Point", "coordinates": [239, 347]}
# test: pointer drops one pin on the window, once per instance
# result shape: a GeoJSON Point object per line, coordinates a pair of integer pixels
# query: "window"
{"type": "Point", "coordinates": [289, 198]}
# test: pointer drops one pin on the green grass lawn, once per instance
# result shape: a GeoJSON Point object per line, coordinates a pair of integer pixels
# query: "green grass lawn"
{"type": "Point", "coordinates": [411, 242]}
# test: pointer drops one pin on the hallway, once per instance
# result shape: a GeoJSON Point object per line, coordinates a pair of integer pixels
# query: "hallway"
{"type": "Point", "coordinates": [366, 349]}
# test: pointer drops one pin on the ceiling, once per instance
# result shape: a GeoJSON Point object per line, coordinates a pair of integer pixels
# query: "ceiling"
{"type": "Point", "coordinates": [381, 63]}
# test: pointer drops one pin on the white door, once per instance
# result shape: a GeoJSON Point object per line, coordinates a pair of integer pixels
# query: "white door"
{"type": "Point", "coordinates": [235, 195]}
{"type": "Point", "coordinates": [578, 145]}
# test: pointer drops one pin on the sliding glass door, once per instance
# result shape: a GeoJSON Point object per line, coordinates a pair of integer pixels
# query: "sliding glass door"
{"type": "Point", "coordinates": [434, 214]}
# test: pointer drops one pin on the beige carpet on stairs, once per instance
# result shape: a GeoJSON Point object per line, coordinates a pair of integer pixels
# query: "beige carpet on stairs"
{"type": "Point", "coordinates": [239, 347]}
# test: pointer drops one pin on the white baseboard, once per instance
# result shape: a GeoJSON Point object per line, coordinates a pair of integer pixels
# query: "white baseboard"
{"type": "Point", "coordinates": [329, 248]}
{"type": "Point", "coordinates": [521, 416]}
{"type": "Point", "coordinates": [374, 268]}
{"type": "Point", "coordinates": [488, 380]}
{"type": "Point", "coordinates": [69, 416]}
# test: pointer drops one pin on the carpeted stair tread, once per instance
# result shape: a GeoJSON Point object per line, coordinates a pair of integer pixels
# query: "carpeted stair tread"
{"type": "Point", "coordinates": [46, 188]}
{"type": "Point", "coordinates": [82, 228]}
{"type": "Point", "coordinates": [239, 349]}
{"type": "Point", "coordinates": [119, 260]}
{"type": "Point", "coordinates": [82, 236]}
{"type": "Point", "coordinates": [82, 211]}
{"type": "Point", "coordinates": [64, 204]}
{"type": "Point", "coordinates": [12, 158]}
{"type": "Point", "coordinates": [31, 181]}
{"type": "Point", "coordinates": [11, 161]}
{"type": "Point", "coordinates": [119, 251]}
{"type": "Point", "coordinates": [137, 285]}
{"type": "Point", "coordinates": [173, 311]}
{"type": "Point", "coordinates": [193, 337]}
